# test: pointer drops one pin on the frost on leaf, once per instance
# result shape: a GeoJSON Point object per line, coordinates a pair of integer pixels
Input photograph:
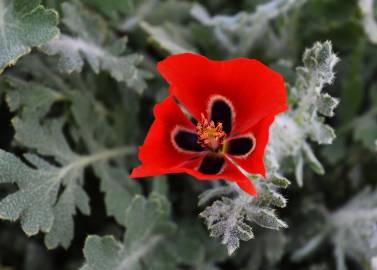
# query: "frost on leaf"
{"type": "Point", "coordinates": [89, 40]}
{"type": "Point", "coordinates": [24, 24]}
{"type": "Point", "coordinates": [230, 218]}
{"type": "Point", "coordinates": [146, 226]}
{"type": "Point", "coordinates": [319, 62]}
{"type": "Point", "coordinates": [238, 33]}
{"type": "Point", "coordinates": [225, 222]}
{"type": "Point", "coordinates": [290, 133]}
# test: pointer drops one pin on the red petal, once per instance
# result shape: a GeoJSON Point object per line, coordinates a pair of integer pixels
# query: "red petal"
{"type": "Point", "coordinates": [253, 163]}
{"type": "Point", "coordinates": [230, 172]}
{"type": "Point", "coordinates": [158, 151]}
{"type": "Point", "coordinates": [254, 90]}
{"type": "Point", "coordinates": [147, 171]}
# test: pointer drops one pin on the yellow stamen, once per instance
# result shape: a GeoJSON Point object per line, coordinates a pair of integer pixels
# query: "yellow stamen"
{"type": "Point", "coordinates": [210, 136]}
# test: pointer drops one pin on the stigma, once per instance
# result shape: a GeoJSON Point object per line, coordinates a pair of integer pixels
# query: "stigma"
{"type": "Point", "coordinates": [210, 135]}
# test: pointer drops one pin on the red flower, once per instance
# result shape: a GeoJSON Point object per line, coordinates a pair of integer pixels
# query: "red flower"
{"type": "Point", "coordinates": [233, 103]}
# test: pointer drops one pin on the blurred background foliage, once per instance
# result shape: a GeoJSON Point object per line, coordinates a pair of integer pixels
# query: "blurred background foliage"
{"type": "Point", "coordinates": [98, 84]}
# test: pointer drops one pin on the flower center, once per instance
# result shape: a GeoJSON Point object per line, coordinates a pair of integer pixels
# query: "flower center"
{"type": "Point", "coordinates": [210, 135]}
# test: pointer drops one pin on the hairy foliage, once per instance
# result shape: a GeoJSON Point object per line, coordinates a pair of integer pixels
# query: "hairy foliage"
{"type": "Point", "coordinates": [351, 229]}
{"type": "Point", "coordinates": [369, 21]}
{"type": "Point", "coordinates": [23, 25]}
{"type": "Point", "coordinates": [238, 33]}
{"type": "Point", "coordinates": [151, 241]}
{"type": "Point", "coordinates": [89, 40]}
{"type": "Point", "coordinates": [50, 190]}
{"type": "Point", "coordinates": [147, 223]}
{"type": "Point", "coordinates": [292, 130]}
{"type": "Point", "coordinates": [78, 84]}
{"type": "Point", "coordinates": [229, 218]}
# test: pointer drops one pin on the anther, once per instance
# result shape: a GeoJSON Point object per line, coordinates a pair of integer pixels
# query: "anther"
{"type": "Point", "coordinates": [210, 135]}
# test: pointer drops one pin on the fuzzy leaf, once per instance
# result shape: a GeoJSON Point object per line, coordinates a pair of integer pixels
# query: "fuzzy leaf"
{"type": "Point", "coordinates": [327, 104]}
{"type": "Point", "coordinates": [213, 193]}
{"type": "Point", "coordinates": [225, 220]}
{"type": "Point", "coordinates": [24, 24]}
{"type": "Point", "coordinates": [365, 130]}
{"type": "Point", "coordinates": [190, 250]}
{"type": "Point", "coordinates": [37, 203]}
{"type": "Point", "coordinates": [269, 196]}
{"type": "Point", "coordinates": [353, 228]}
{"type": "Point", "coordinates": [229, 218]}
{"type": "Point", "coordinates": [111, 8]}
{"type": "Point", "coordinates": [299, 170]}
{"type": "Point", "coordinates": [51, 189]}
{"type": "Point", "coordinates": [31, 93]}
{"type": "Point", "coordinates": [322, 133]}
{"type": "Point", "coordinates": [308, 248]}
{"type": "Point", "coordinates": [91, 45]}
{"type": "Point", "coordinates": [268, 248]}
{"type": "Point", "coordinates": [291, 131]}
{"type": "Point", "coordinates": [147, 224]}
{"type": "Point", "coordinates": [312, 159]}
{"type": "Point", "coordinates": [102, 253]}
{"type": "Point", "coordinates": [368, 19]}
{"type": "Point", "coordinates": [49, 140]}
{"type": "Point", "coordinates": [97, 135]}
{"type": "Point", "coordinates": [318, 70]}
{"type": "Point", "coordinates": [169, 37]}
{"type": "Point", "coordinates": [280, 181]}
{"type": "Point", "coordinates": [265, 218]}
{"type": "Point", "coordinates": [238, 33]}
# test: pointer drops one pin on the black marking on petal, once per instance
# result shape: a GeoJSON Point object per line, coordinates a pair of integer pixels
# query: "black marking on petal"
{"type": "Point", "coordinates": [241, 146]}
{"type": "Point", "coordinates": [221, 111]}
{"type": "Point", "coordinates": [212, 164]}
{"type": "Point", "coordinates": [186, 140]}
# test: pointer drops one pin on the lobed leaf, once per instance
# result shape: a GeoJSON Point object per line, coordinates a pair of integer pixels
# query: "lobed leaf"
{"type": "Point", "coordinates": [147, 225]}
{"type": "Point", "coordinates": [368, 19]}
{"type": "Point", "coordinates": [24, 24]}
{"type": "Point", "coordinates": [111, 8]}
{"type": "Point", "coordinates": [50, 179]}
{"type": "Point", "coordinates": [169, 37]}
{"type": "Point", "coordinates": [225, 221]}
{"type": "Point", "coordinates": [98, 136]}
{"type": "Point", "coordinates": [230, 218]}
{"type": "Point", "coordinates": [239, 33]}
{"type": "Point", "coordinates": [87, 43]}
{"type": "Point", "coordinates": [291, 131]}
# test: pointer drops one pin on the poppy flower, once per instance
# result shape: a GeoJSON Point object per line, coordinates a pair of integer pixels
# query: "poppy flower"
{"type": "Point", "coordinates": [232, 105]}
